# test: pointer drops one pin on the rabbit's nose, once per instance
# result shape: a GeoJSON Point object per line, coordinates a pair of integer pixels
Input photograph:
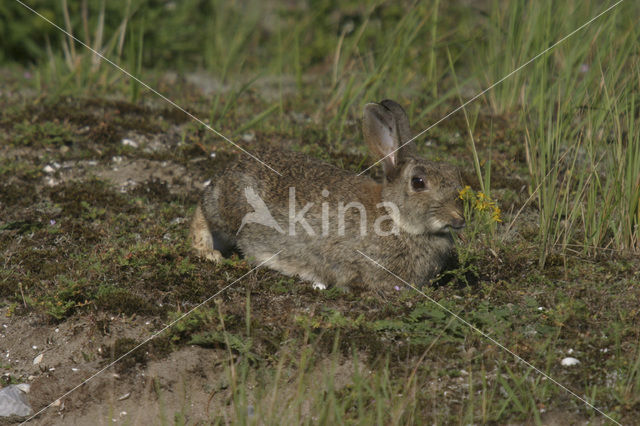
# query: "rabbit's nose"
{"type": "Point", "coordinates": [457, 222]}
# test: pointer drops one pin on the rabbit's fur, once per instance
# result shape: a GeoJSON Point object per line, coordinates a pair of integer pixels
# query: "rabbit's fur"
{"type": "Point", "coordinates": [417, 252]}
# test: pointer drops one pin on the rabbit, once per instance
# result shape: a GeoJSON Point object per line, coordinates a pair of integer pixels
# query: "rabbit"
{"type": "Point", "coordinates": [321, 216]}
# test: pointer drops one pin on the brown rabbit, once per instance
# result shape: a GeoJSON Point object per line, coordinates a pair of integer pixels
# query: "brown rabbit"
{"type": "Point", "coordinates": [320, 216]}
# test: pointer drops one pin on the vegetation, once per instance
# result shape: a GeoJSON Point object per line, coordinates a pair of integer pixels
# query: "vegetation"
{"type": "Point", "coordinates": [551, 156]}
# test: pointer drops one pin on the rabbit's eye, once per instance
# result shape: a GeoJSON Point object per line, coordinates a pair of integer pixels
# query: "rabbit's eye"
{"type": "Point", "coordinates": [417, 183]}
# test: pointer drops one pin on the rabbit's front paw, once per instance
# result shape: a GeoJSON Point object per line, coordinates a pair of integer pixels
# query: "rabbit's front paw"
{"type": "Point", "coordinates": [212, 255]}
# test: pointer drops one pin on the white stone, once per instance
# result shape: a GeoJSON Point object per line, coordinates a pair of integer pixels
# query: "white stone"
{"type": "Point", "coordinates": [129, 142]}
{"type": "Point", "coordinates": [37, 360]}
{"type": "Point", "coordinates": [319, 286]}
{"type": "Point", "coordinates": [569, 361]}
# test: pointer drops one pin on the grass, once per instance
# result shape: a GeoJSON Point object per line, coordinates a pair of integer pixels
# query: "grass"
{"type": "Point", "coordinates": [551, 157]}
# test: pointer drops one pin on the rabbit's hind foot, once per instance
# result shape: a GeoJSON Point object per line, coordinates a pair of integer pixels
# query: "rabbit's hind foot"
{"type": "Point", "coordinates": [201, 238]}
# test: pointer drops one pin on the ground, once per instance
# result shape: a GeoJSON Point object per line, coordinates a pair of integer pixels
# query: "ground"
{"type": "Point", "coordinates": [98, 259]}
{"type": "Point", "coordinates": [98, 183]}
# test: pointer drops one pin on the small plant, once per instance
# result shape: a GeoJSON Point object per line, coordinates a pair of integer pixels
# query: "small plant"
{"type": "Point", "coordinates": [69, 295]}
{"type": "Point", "coordinates": [47, 134]}
{"type": "Point", "coordinates": [480, 211]}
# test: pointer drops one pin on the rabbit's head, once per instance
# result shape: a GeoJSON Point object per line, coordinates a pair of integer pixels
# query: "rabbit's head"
{"type": "Point", "coordinates": [426, 193]}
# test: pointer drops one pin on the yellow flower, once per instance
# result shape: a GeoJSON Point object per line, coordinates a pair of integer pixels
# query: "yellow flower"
{"type": "Point", "coordinates": [464, 191]}
{"type": "Point", "coordinates": [496, 214]}
{"type": "Point", "coordinates": [480, 202]}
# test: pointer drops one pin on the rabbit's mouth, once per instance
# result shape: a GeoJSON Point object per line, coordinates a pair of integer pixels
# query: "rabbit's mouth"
{"type": "Point", "coordinates": [457, 224]}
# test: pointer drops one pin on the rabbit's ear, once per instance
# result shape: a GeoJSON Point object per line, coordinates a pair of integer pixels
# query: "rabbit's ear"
{"type": "Point", "coordinates": [404, 129]}
{"type": "Point", "coordinates": [381, 135]}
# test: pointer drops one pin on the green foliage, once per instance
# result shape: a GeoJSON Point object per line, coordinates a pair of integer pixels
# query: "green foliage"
{"type": "Point", "coordinates": [47, 134]}
{"type": "Point", "coordinates": [576, 102]}
{"type": "Point", "coordinates": [68, 295]}
{"type": "Point", "coordinates": [22, 34]}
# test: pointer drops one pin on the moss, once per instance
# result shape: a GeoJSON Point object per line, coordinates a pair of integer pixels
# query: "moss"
{"type": "Point", "coordinates": [84, 127]}
{"type": "Point", "coordinates": [155, 190]}
{"type": "Point", "coordinates": [121, 300]}
{"type": "Point", "coordinates": [45, 134]}
{"type": "Point", "coordinates": [77, 198]}
{"type": "Point", "coordinates": [16, 195]}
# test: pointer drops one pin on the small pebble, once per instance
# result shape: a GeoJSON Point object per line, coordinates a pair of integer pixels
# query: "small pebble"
{"type": "Point", "coordinates": [129, 142]}
{"type": "Point", "coordinates": [569, 361]}
{"type": "Point", "coordinates": [248, 137]}
{"type": "Point", "coordinates": [49, 181]}
{"type": "Point", "coordinates": [37, 360]}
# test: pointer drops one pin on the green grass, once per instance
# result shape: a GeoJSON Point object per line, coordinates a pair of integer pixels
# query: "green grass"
{"type": "Point", "coordinates": [555, 147]}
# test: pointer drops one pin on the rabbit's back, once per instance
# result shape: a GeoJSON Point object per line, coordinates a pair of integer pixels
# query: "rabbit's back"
{"type": "Point", "coordinates": [302, 178]}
